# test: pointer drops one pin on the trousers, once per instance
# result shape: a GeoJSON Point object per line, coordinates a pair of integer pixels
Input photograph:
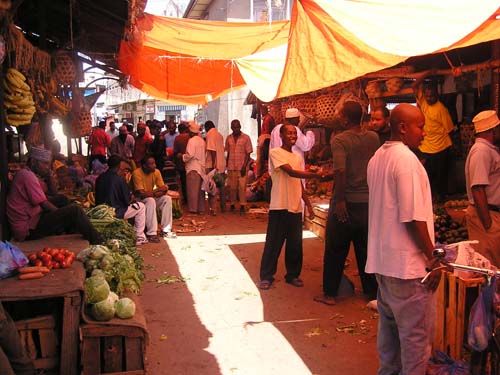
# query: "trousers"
{"type": "Point", "coordinates": [162, 204]}
{"type": "Point", "coordinates": [282, 226]}
{"type": "Point", "coordinates": [338, 239]}
{"type": "Point", "coordinates": [406, 327]}
{"type": "Point", "coordinates": [195, 196]}
{"type": "Point", "coordinates": [69, 219]}
{"type": "Point", "coordinates": [138, 212]}
{"type": "Point", "coordinates": [489, 240]}
{"type": "Point", "coordinates": [237, 187]}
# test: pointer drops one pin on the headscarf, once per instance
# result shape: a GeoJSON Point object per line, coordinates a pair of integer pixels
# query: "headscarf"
{"type": "Point", "coordinates": [40, 154]}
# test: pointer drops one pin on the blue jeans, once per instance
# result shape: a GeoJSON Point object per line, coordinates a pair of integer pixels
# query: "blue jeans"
{"type": "Point", "coordinates": [407, 317]}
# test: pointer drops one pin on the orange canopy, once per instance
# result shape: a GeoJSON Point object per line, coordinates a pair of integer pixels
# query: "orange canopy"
{"type": "Point", "coordinates": [325, 42]}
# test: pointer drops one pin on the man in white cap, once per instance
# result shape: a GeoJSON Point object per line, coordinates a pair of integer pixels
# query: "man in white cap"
{"type": "Point", "coordinates": [482, 176]}
{"type": "Point", "coordinates": [30, 213]}
{"type": "Point", "coordinates": [304, 141]}
{"type": "Point", "coordinates": [195, 169]}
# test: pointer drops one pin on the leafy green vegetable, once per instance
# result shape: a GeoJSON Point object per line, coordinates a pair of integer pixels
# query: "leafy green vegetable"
{"type": "Point", "coordinates": [96, 289]}
{"type": "Point", "coordinates": [125, 308]}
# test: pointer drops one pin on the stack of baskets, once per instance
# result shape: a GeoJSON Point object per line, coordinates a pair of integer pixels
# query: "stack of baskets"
{"type": "Point", "coordinates": [325, 109]}
{"type": "Point", "coordinates": [65, 69]}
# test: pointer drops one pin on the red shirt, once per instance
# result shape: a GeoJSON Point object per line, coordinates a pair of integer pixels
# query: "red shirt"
{"type": "Point", "coordinates": [99, 141]}
{"type": "Point", "coordinates": [267, 124]}
{"type": "Point", "coordinates": [140, 148]}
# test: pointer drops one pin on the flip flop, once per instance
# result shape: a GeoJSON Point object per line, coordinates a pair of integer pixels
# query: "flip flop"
{"type": "Point", "coordinates": [264, 284]}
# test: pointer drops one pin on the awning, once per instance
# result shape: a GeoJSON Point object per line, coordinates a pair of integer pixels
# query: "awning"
{"type": "Point", "coordinates": [326, 42]}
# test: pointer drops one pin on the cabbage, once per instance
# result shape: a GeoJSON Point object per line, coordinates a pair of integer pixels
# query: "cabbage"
{"type": "Point", "coordinates": [97, 251]}
{"type": "Point", "coordinates": [97, 272]}
{"type": "Point", "coordinates": [104, 310]}
{"type": "Point", "coordinates": [106, 262]}
{"type": "Point", "coordinates": [96, 289]}
{"type": "Point", "coordinates": [90, 265]}
{"type": "Point", "coordinates": [125, 308]}
{"type": "Point", "coordinates": [113, 297]}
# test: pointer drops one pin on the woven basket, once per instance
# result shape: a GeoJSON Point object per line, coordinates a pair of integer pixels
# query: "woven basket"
{"type": "Point", "coordinates": [307, 106]}
{"type": "Point", "coordinates": [325, 109]}
{"type": "Point", "coordinates": [275, 111]}
{"type": "Point", "coordinates": [80, 126]}
{"type": "Point", "coordinates": [395, 84]}
{"type": "Point", "coordinates": [65, 70]}
{"type": "Point", "coordinates": [374, 89]}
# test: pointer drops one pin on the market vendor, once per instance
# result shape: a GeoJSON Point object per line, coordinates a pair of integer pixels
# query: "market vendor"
{"type": "Point", "coordinates": [482, 176]}
{"type": "Point", "coordinates": [152, 191]}
{"type": "Point", "coordinates": [30, 213]}
{"type": "Point", "coordinates": [379, 123]}
{"type": "Point", "coordinates": [13, 357]}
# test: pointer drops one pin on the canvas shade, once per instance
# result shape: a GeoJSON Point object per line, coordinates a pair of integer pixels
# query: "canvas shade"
{"type": "Point", "coordinates": [324, 43]}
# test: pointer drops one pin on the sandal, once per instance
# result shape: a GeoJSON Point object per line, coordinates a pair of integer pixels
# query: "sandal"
{"type": "Point", "coordinates": [265, 284]}
{"type": "Point", "coordinates": [296, 282]}
{"type": "Point", "coordinates": [153, 239]}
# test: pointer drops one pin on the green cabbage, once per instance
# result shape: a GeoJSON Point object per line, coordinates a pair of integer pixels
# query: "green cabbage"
{"type": "Point", "coordinates": [113, 297]}
{"type": "Point", "coordinates": [96, 289]}
{"type": "Point", "coordinates": [125, 308]}
{"type": "Point", "coordinates": [97, 272]}
{"type": "Point", "coordinates": [104, 310]}
{"type": "Point", "coordinates": [97, 251]}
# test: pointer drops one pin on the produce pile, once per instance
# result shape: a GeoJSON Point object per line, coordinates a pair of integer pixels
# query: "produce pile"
{"type": "Point", "coordinates": [45, 260]}
{"type": "Point", "coordinates": [446, 230]}
{"type": "Point", "coordinates": [104, 303]}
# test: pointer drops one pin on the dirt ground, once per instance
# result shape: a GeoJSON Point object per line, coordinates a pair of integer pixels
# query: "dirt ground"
{"type": "Point", "coordinates": [205, 314]}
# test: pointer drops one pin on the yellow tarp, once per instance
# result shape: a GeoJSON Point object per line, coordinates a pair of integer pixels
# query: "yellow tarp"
{"type": "Point", "coordinates": [325, 42]}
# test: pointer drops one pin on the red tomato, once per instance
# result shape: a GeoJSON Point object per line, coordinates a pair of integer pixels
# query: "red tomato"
{"type": "Point", "coordinates": [65, 264]}
{"type": "Point", "coordinates": [50, 265]}
{"type": "Point", "coordinates": [32, 257]}
{"type": "Point", "coordinates": [57, 265]}
{"type": "Point", "coordinates": [38, 263]}
{"type": "Point", "coordinates": [46, 257]}
{"type": "Point", "coordinates": [59, 257]}
{"type": "Point", "coordinates": [39, 253]}
{"type": "Point", "coordinates": [53, 252]}
{"type": "Point", "coordinates": [69, 260]}
{"type": "Point", "coordinates": [46, 249]}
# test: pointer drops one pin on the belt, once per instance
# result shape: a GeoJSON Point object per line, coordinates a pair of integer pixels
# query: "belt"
{"type": "Point", "coordinates": [492, 207]}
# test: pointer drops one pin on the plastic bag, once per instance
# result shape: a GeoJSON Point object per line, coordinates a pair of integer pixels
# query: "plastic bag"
{"type": "Point", "coordinates": [11, 258]}
{"type": "Point", "coordinates": [482, 317]}
{"type": "Point", "coordinates": [442, 364]}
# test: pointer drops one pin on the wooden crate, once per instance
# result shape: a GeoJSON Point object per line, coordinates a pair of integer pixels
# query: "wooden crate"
{"type": "Point", "coordinates": [455, 297]}
{"type": "Point", "coordinates": [112, 349]}
{"type": "Point", "coordinates": [318, 224]}
{"type": "Point", "coordinates": [39, 339]}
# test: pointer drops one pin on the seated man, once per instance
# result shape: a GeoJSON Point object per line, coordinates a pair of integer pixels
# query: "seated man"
{"type": "Point", "coordinates": [32, 216]}
{"type": "Point", "coordinates": [152, 191]}
{"type": "Point", "coordinates": [111, 189]}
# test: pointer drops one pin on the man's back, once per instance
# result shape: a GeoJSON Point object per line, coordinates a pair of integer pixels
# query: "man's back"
{"type": "Point", "coordinates": [351, 151]}
{"type": "Point", "coordinates": [112, 190]}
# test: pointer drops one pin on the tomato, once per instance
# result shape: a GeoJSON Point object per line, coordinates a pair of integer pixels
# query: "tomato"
{"type": "Point", "coordinates": [50, 265]}
{"type": "Point", "coordinates": [53, 252]}
{"type": "Point", "coordinates": [59, 257]}
{"type": "Point", "coordinates": [32, 257]}
{"type": "Point", "coordinates": [46, 257]}
{"type": "Point", "coordinates": [69, 260]}
{"type": "Point", "coordinates": [57, 265]}
{"type": "Point", "coordinates": [38, 263]}
{"type": "Point", "coordinates": [46, 249]}
{"type": "Point", "coordinates": [65, 264]}
{"type": "Point", "coordinates": [39, 253]}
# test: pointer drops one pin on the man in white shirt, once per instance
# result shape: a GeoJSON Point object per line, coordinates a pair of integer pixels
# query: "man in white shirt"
{"type": "Point", "coordinates": [195, 169]}
{"type": "Point", "coordinates": [400, 247]}
{"type": "Point", "coordinates": [112, 131]}
{"type": "Point", "coordinates": [304, 142]}
{"type": "Point", "coordinates": [215, 159]}
{"type": "Point", "coordinates": [482, 176]}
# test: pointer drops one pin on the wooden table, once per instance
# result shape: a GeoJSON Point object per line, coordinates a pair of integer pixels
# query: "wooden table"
{"type": "Point", "coordinates": [67, 284]}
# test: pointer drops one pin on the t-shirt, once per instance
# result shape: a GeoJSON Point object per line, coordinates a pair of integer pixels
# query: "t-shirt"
{"type": "Point", "coordinates": [146, 182]}
{"type": "Point", "coordinates": [215, 142]}
{"type": "Point", "coordinates": [140, 148]}
{"type": "Point", "coordinates": [482, 167]}
{"type": "Point", "coordinates": [438, 125]}
{"type": "Point", "coordinates": [99, 141]}
{"type": "Point", "coordinates": [23, 203]}
{"type": "Point", "coordinates": [286, 192]}
{"type": "Point", "coordinates": [195, 155]}
{"type": "Point", "coordinates": [351, 151]}
{"type": "Point", "coordinates": [304, 142]}
{"type": "Point", "coordinates": [399, 193]}
{"type": "Point", "coordinates": [169, 139]}
{"type": "Point", "coordinates": [112, 190]}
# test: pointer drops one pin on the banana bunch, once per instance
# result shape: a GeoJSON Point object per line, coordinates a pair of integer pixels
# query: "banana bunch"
{"type": "Point", "coordinates": [18, 99]}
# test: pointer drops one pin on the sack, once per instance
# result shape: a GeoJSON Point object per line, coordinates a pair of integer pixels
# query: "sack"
{"type": "Point", "coordinates": [482, 317]}
{"type": "Point", "coordinates": [11, 258]}
{"type": "Point", "coordinates": [442, 364]}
